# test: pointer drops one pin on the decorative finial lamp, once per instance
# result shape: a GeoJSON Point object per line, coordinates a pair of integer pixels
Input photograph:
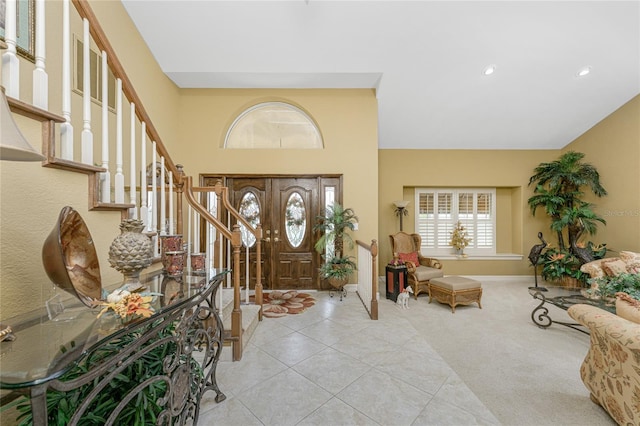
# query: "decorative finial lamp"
{"type": "Point", "coordinates": [401, 209]}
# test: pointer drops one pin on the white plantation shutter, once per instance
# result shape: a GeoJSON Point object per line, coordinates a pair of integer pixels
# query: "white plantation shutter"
{"type": "Point", "coordinates": [444, 220]}
{"type": "Point", "coordinates": [426, 214]}
{"type": "Point", "coordinates": [485, 228]}
{"type": "Point", "coordinates": [466, 213]}
{"type": "Point", "coordinates": [440, 209]}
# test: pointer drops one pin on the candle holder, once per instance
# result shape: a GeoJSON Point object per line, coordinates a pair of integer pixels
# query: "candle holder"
{"type": "Point", "coordinates": [170, 244]}
{"type": "Point", "coordinates": [198, 262]}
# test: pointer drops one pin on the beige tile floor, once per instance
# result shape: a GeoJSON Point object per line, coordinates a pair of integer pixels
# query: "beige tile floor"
{"type": "Point", "coordinates": [332, 365]}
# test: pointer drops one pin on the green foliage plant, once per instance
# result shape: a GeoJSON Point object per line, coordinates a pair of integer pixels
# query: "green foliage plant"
{"type": "Point", "coordinates": [339, 268]}
{"type": "Point", "coordinates": [142, 410]}
{"type": "Point", "coordinates": [333, 226]}
{"type": "Point", "coordinates": [608, 286]}
{"type": "Point", "coordinates": [559, 190]}
{"type": "Point", "coordinates": [557, 264]}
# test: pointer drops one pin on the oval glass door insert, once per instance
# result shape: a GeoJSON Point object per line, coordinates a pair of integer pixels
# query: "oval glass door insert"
{"type": "Point", "coordinates": [296, 219]}
{"type": "Point", "coordinates": [250, 210]}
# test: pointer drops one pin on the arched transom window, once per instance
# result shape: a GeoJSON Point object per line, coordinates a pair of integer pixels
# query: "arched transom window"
{"type": "Point", "coordinates": [273, 125]}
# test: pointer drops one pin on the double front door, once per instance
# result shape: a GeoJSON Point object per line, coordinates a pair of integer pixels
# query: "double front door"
{"type": "Point", "coordinates": [286, 207]}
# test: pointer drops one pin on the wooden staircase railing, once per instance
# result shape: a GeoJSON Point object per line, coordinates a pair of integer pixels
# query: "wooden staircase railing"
{"type": "Point", "coordinates": [223, 195]}
{"type": "Point", "coordinates": [174, 186]}
{"type": "Point", "coordinates": [368, 276]}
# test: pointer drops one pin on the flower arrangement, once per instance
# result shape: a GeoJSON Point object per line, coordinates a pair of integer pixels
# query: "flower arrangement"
{"type": "Point", "coordinates": [396, 262]}
{"type": "Point", "coordinates": [459, 237]}
{"type": "Point", "coordinates": [558, 264]}
{"type": "Point", "coordinates": [129, 306]}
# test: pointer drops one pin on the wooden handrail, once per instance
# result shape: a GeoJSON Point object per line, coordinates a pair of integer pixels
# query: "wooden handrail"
{"type": "Point", "coordinates": [223, 195]}
{"type": "Point", "coordinates": [188, 185]}
{"type": "Point", "coordinates": [236, 242]}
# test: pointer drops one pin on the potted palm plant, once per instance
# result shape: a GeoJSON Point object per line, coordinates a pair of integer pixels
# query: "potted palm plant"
{"type": "Point", "coordinates": [333, 226]}
{"type": "Point", "coordinates": [559, 190]}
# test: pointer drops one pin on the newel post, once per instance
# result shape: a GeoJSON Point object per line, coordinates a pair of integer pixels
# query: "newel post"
{"type": "Point", "coordinates": [236, 314]}
{"type": "Point", "coordinates": [374, 279]}
{"type": "Point", "coordinates": [179, 185]}
{"type": "Point", "coordinates": [259, 269]}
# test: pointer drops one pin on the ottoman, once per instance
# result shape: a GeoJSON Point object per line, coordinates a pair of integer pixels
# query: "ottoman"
{"type": "Point", "coordinates": [454, 290]}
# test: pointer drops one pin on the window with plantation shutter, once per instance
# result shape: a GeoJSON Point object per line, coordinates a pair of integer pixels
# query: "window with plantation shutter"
{"type": "Point", "coordinates": [440, 209]}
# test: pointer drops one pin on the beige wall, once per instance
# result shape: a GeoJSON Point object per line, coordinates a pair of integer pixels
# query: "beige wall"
{"type": "Point", "coordinates": [347, 120]}
{"type": "Point", "coordinates": [613, 147]}
{"type": "Point", "coordinates": [403, 170]}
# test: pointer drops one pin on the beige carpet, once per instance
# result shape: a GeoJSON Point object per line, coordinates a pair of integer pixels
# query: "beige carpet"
{"type": "Point", "coordinates": [524, 374]}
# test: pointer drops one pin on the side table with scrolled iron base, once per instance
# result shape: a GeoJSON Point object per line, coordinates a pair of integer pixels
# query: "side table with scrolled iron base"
{"type": "Point", "coordinates": [183, 339]}
{"type": "Point", "coordinates": [562, 298]}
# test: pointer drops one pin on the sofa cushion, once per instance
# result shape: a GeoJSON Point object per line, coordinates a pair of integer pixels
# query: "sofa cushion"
{"type": "Point", "coordinates": [424, 273]}
{"type": "Point", "coordinates": [632, 261]}
{"type": "Point", "coordinates": [594, 269]}
{"type": "Point", "coordinates": [627, 307]}
{"type": "Point", "coordinates": [409, 257]}
{"type": "Point", "coordinates": [629, 256]}
{"type": "Point", "coordinates": [614, 267]}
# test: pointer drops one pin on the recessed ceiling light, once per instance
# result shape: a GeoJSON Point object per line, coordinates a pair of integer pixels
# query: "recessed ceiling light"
{"type": "Point", "coordinates": [489, 69]}
{"type": "Point", "coordinates": [583, 71]}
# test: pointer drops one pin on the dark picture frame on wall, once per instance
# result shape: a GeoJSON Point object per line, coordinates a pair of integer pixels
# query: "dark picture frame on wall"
{"type": "Point", "coordinates": [25, 27]}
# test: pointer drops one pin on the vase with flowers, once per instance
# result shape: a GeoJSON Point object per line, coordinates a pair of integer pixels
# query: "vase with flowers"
{"type": "Point", "coordinates": [459, 238]}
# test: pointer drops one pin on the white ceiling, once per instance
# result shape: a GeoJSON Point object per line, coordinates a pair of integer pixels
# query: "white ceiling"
{"type": "Point", "coordinates": [424, 58]}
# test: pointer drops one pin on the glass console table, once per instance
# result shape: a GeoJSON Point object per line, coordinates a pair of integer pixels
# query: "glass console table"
{"type": "Point", "coordinates": [562, 298]}
{"type": "Point", "coordinates": [77, 353]}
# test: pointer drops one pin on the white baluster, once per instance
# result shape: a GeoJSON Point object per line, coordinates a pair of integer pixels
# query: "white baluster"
{"type": "Point", "coordinates": [163, 199]}
{"type": "Point", "coordinates": [154, 195]}
{"type": "Point", "coordinates": [10, 61]}
{"type": "Point", "coordinates": [40, 77]}
{"type": "Point", "coordinates": [196, 232]}
{"type": "Point", "coordinates": [207, 249]}
{"type": "Point", "coordinates": [246, 272]}
{"type": "Point", "coordinates": [133, 194]}
{"type": "Point", "coordinates": [87, 135]}
{"type": "Point", "coordinates": [154, 188]}
{"type": "Point", "coordinates": [119, 181]}
{"type": "Point", "coordinates": [66, 129]}
{"type": "Point", "coordinates": [105, 178]}
{"type": "Point", "coordinates": [170, 194]}
{"type": "Point", "coordinates": [189, 249]}
{"type": "Point", "coordinates": [144, 209]}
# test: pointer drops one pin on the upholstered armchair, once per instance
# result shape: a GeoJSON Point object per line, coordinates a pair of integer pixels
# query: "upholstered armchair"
{"type": "Point", "coordinates": [420, 270]}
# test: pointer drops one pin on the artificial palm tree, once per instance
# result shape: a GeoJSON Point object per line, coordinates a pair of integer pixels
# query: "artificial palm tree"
{"type": "Point", "coordinates": [333, 226]}
{"type": "Point", "coordinates": [559, 190]}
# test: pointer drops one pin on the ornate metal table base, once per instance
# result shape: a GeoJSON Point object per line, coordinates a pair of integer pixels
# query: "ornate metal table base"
{"type": "Point", "coordinates": [183, 341]}
{"type": "Point", "coordinates": [540, 315]}
{"type": "Point", "coordinates": [562, 298]}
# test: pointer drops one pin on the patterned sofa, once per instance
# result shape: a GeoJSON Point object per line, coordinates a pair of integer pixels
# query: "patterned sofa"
{"type": "Point", "coordinates": [611, 369]}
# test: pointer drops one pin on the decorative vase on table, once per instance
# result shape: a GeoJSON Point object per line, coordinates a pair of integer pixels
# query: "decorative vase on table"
{"type": "Point", "coordinates": [131, 252]}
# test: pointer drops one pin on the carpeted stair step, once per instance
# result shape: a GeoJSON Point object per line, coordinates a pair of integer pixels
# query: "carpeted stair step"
{"type": "Point", "coordinates": [249, 325]}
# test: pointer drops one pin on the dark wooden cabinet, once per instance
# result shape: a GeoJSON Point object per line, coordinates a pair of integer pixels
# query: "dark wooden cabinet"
{"type": "Point", "coordinates": [396, 281]}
